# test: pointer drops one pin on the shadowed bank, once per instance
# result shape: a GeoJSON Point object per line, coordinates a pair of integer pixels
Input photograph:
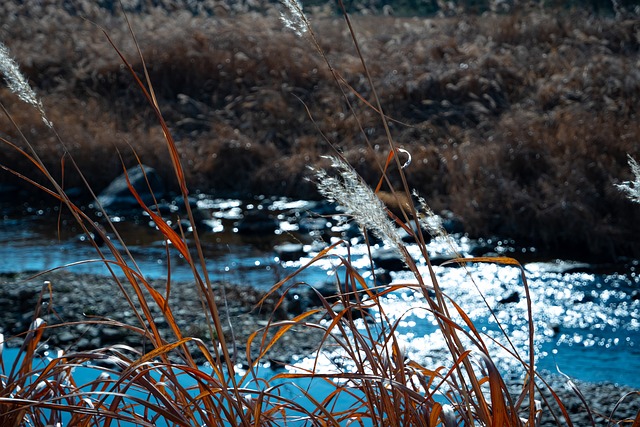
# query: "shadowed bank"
{"type": "Point", "coordinates": [519, 123]}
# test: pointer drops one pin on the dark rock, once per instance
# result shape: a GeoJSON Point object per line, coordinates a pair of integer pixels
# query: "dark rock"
{"type": "Point", "coordinates": [513, 297]}
{"type": "Point", "coordinates": [257, 222]}
{"type": "Point", "coordinates": [112, 335]}
{"type": "Point", "coordinates": [117, 195]}
{"type": "Point", "coordinates": [302, 298]}
{"type": "Point", "coordinates": [289, 251]}
{"type": "Point", "coordinates": [65, 338]}
{"type": "Point", "coordinates": [296, 304]}
{"type": "Point", "coordinates": [88, 344]}
{"type": "Point", "coordinates": [382, 278]}
{"type": "Point", "coordinates": [413, 237]}
{"type": "Point", "coordinates": [452, 223]}
{"type": "Point", "coordinates": [388, 259]}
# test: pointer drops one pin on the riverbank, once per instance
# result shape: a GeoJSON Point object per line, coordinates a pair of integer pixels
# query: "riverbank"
{"type": "Point", "coordinates": [81, 298]}
{"type": "Point", "coordinates": [518, 123]}
{"type": "Point", "coordinates": [72, 301]}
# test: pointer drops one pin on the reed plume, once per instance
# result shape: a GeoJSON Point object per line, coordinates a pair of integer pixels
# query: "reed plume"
{"type": "Point", "coordinates": [632, 188]}
{"type": "Point", "coordinates": [358, 199]}
{"type": "Point", "coordinates": [294, 18]}
{"type": "Point", "coordinates": [18, 84]}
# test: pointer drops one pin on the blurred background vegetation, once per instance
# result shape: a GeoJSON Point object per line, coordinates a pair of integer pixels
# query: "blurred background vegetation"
{"type": "Point", "coordinates": [519, 115]}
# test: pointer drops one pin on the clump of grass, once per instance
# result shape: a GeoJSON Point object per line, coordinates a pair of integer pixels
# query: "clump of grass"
{"type": "Point", "coordinates": [148, 387]}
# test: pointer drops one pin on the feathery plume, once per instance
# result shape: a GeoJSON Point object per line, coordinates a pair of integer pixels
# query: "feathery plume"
{"type": "Point", "coordinates": [294, 18]}
{"type": "Point", "coordinates": [632, 188]}
{"type": "Point", "coordinates": [429, 220]}
{"type": "Point", "coordinates": [359, 200]}
{"type": "Point", "coordinates": [17, 83]}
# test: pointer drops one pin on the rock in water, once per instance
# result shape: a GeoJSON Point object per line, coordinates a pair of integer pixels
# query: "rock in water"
{"type": "Point", "coordinates": [257, 223]}
{"type": "Point", "coordinates": [118, 196]}
{"type": "Point", "coordinates": [289, 251]}
{"type": "Point", "coordinates": [388, 259]}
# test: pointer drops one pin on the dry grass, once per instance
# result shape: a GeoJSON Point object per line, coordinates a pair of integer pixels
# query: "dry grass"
{"type": "Point", "coordinates": [477, 127]}
{"type": "Point", "coordinates": [527, 115]}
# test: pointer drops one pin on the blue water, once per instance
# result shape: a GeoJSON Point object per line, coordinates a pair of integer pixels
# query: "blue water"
{"type": "Point", "coordinates": [86, 377]}
{"type": "Point", "coordinates": [586, 325]}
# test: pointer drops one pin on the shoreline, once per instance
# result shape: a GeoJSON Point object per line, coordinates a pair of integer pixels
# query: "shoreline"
{"type": "Point", "coordinates": [75, 297]}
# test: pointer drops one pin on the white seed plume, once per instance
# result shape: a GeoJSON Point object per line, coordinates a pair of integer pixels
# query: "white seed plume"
{"type": "Point", "coordinates": [17, 83]}
{"type": "Point", "coordinates": [632, 188]}
{"type": "Point", "coordinates": [360, 202]}
{"type": "Point", "coordinates": [294, 18]}
{"type": "Point", "coordinates": [429, 220]}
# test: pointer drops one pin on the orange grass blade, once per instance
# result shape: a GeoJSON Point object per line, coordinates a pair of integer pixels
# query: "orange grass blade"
{"type": "Point", "coordinates": [469, 323]}
{"type": "Point", "coordinates": [30, 344]}
{"type": "Point", "coordinates": [460, 359]}
{"type": "Point", "coordinates": [636, 421]}
{"type": "Point", "coordinates": [498, 408]}
{"type": "Point", "coordinates": [284, 326]}
{"type": "Point", "coordinates": [165, 229]}
{"type": "Point", "coordinates": [435, 413]}
{"type": "Point", "coordinates": [495, 260]}
{"type": "Point", "coordinates": [515, 263]}
{"type": "Point", "coordinates": [384, 170]}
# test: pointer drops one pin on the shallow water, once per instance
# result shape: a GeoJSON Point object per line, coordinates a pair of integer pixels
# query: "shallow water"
{"type": "Point", "coordinates": [586, 324]}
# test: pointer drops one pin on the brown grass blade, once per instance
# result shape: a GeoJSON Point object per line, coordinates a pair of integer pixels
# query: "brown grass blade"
{"type": "Point", "coordinates": [515, 263]}
{"type": "Point", "coordinates": [283, 327]}
{"type": "Point", "coordinates": [636, 421]}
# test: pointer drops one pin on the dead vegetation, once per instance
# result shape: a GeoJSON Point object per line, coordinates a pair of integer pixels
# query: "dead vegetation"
{"type": "Point", "coordinates": [518, 123]}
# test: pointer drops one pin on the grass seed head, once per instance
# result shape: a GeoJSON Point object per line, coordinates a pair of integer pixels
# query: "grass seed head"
{"type": "Point", "coordinates": [429, 220]}
{"type": "Point", "coordinates": [17, 83]}
{"type": "Point", "coordinates": [632, 188]}
{"type": "Point", "coordinates": [359, 200]}
{"type": "Point", "coordinates": [294, 18]}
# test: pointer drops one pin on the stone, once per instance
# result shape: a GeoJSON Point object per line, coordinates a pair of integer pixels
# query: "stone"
{"type": "Point", "coordinates": [257, 223]}
{"type": "Point", "coordinates": [388, 259]}
{"type": "Point", "coordinates": [289, 251]}
{"type": "Point", "coordinates": [117, 196]}
{"type": "Point", "coordinates": [513, 297]}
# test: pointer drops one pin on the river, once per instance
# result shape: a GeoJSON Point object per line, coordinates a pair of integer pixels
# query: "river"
{"type": "Point", "coordinates": [587, 323]}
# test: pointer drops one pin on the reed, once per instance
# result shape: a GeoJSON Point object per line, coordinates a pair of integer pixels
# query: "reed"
{"type": "Point", "coordinates": [163, 385]}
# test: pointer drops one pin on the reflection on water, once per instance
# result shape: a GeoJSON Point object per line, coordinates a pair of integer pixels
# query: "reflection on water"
{"type": "Point", "coordinates": [586, 324]}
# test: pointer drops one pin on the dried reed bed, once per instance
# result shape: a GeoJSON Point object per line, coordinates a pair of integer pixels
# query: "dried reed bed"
{"type": "Point", "coordinates": [385, 386]}
{"type": "Point", "coordinates": [518, 123]}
